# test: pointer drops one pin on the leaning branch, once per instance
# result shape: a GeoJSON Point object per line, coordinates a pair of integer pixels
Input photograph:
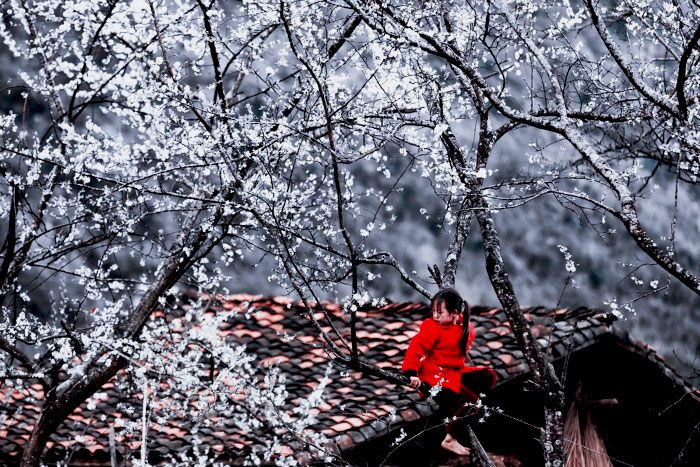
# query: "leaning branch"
{"type": "Point", "coordinates": [633, 77]}
{"type": "Point", "coordinates": [680, 82]}
{"type": "Point", "coordinates": [15, 352]}
{"type": "Point", "coordinates": [628, 212]}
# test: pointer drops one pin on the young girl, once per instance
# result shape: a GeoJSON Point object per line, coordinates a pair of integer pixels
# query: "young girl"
{"type": "Point", "coordinates": [437, 354]}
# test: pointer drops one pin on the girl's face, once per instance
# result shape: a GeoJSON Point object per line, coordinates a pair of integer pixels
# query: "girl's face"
{"type": "Point", "coordinates": [442, 316]}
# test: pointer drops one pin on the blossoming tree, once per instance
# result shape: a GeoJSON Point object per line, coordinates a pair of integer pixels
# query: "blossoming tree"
{"type": "Point", "coordinates": [151, 145]}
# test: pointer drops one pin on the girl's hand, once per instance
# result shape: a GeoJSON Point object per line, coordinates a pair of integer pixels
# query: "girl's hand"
{"type": "Point", "coordinates": [415, 381]}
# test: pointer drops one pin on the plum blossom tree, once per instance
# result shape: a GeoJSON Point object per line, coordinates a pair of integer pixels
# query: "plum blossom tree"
{"type": "Point", "coordinates": [132, 164]}
{"type": "Point", "coordinates": [545, 67]}
{"type": "Point", "coordinates": [152, 146]}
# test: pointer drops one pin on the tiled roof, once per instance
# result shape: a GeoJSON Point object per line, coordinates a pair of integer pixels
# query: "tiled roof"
{"type": "Point", "coordinates": [356, 408]}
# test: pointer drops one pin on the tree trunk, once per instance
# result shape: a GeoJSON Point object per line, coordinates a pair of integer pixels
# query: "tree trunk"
{"type": "Point", "coordinates": [45, 425]}
{"type": "Point", "coordinates": [478, 455]}
{"type": "Point", "coordinates": [56, 409]}
{"type": "Point", "coordinates": [553, 435]}
{"type": "Point", "coordinates": [542, 370]}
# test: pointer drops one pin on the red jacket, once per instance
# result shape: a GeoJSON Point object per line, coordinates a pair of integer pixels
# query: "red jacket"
{"type": "Point", "coordinates": [435, 355]}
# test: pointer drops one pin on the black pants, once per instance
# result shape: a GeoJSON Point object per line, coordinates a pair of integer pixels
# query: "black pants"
{"type": "Point", "coordinates": [452, 405]}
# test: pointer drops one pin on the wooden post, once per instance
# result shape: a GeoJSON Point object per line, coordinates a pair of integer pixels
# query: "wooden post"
{"type": "Point", "coordinates": [144, 428]}
{"type": "Point", "coordinates": [112, 447]}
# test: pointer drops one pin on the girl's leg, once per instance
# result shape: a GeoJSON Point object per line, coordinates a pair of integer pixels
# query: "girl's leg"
{"type": "Point", "coordinates": [465, 410]}
{"type": "Point", "coordinates": [473, 383]}
{"type": "Point", "coordinates": [449, 404]}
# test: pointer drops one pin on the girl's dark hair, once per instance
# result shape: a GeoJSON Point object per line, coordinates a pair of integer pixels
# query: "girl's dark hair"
{"type": "Point", "coordinates": [455, 304]}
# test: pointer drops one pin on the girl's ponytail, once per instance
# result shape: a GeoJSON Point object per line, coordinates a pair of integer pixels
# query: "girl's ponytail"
{"type": "Point", "coordinates": [464, 340]}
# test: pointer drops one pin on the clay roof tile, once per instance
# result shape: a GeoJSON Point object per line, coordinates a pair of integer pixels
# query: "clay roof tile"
{"type": "Point", "coordinates": [351, 403]}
